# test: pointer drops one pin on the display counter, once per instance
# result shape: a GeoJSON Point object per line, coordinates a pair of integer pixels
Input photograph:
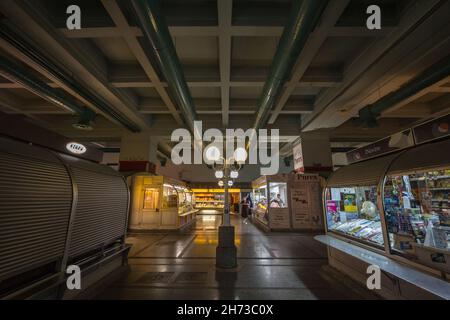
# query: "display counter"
{"type": "Point", "coordinates": [397, 205]}
{"type": "Point", "coordinates": [159, 202]}
{"type": "Point", "coordinates": [214, 198]}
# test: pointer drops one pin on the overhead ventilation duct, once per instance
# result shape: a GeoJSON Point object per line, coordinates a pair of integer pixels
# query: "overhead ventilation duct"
{"type": "Point", "coordinates": [368, 115]}
{"type": "Point", "coordinates": [48, 93]}
{"type": "Point", "coordinates": [157, 33]}
{"type": "Point", "coordinates": [302, 21]}
{"type": "Point", "coordinates": [19, 75]}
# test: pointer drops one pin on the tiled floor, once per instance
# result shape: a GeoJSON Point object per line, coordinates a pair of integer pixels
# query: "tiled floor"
{"type": "Point", "coordinates": [271, 266]}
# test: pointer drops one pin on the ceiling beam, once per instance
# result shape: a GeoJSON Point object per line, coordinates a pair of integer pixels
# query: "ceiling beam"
{"type": "Point", "coordinates": [365, 74]}
{"type": "Point", "coordinates": [132, 76]}
{"type": "Point", "coordinates": [404, 104]}
{"type": "Point", "coordinates": [88, 66]}
{"type": "Point", "coordinates": [329, 18]}
{"type": "Point", "coordinates": [214, 31]}
{"type": "Point", "coordinates": [120, 20]}
{"type": "Point", "coordinates": [224, 14]}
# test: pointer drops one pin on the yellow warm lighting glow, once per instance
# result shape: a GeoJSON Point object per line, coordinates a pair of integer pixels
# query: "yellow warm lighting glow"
{"type": "Point", "coordinates": [216, 190]}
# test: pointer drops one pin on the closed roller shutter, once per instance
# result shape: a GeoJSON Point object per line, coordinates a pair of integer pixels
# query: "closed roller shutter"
{"type": "Point", "coordinates": [35, 205]}
{"type": "Point", "coordinates": [366, 173]}
{"type": "Point", "coordinates": [101, 210]}
{"type": "Point", "coordinates": [423, 157]}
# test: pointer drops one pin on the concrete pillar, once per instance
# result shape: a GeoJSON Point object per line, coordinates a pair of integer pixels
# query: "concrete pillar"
{"type": "Point", "coordinates": [138, 153]}
{"type": "Point", "coordinates": [313, 153]}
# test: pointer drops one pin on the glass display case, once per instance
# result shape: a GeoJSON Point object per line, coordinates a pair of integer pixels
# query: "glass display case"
{"type": "Point", "coordinates": [353, 211]}
{"type": "Point", "coordinates": [417, 211]}
{"type": "Point", "coordinates": [398, 204]}
{"type": "Point", "coordinates": [278, 195]}
{"type": "Point", "coordinates": [209, 200]}
{"type": "Point", "coordinates": [159, 202]}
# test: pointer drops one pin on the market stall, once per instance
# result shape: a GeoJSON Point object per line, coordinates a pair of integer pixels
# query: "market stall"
{"type": "Point", "coordinates": [159, 202]}
{"type": "Point", "coordinates": [288, 202]}
{"type": "Point", "coordinates": [270, 198]}
{"type": "Point", "coordinates": [397, 205]}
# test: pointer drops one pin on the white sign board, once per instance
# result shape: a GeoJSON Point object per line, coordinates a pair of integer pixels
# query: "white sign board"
{"type": "Point", "coordinates": [279, 218]}
{"type": "Point", "coordinates": [306, 202]}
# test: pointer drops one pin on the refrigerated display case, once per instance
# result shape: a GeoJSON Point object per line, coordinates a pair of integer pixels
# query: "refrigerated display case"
{"type": "Point", "coordinates": [397, 205]}
{"type": "Point", "coordinates": [159, 202]}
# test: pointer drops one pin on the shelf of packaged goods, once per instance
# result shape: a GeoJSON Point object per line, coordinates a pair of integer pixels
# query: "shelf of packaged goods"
{"type": "Point", "coordinates": [442, 177]}
{"type": "Point", "coordinates": [430, 178]}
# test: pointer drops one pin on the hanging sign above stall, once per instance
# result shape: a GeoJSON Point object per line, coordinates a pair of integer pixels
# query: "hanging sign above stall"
{"type": "Point", "coordinates": [298, 158]}
{"type": "Point", "coordinates": [432, 130]}
{"type": "Point", "coordinates": [387, 145]}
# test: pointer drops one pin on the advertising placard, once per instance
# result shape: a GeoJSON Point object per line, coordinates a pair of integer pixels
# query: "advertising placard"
{"type": "Point", "coordinates": [306, 202]}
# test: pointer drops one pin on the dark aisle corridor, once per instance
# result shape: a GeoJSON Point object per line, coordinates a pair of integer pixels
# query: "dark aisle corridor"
{"type": "Point", "coordinates": [271, 266]}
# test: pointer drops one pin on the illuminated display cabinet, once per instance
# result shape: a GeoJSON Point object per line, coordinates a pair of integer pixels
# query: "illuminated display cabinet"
{"type": "Point", "coordinates": [159, 202]}
{"type": "Point", "coordinates": [213, 199]}
{"type": "Point", "coordinates": [397, 205]}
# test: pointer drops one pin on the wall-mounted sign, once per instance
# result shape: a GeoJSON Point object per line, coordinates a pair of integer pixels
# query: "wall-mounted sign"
{"type": "Point", "coordinates": [387, 145]}
{"type": "Point", "coordinates": [431, 130]}
{"type": "Point", "coordinates": [76, 148]}
{"type": "Point", "coordinates": [298, 158]}
{"type": "Point", "coordinates": [306, 203]}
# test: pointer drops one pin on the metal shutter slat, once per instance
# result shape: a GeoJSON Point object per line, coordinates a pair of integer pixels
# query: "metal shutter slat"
{"type": "Point", "coordinates": [35, 205]}
{"type": "Point", "coordinates": [101, 210]}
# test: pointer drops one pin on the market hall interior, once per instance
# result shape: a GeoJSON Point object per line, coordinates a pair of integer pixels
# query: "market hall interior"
{"type": "Point", "coordinates": [114, 125]}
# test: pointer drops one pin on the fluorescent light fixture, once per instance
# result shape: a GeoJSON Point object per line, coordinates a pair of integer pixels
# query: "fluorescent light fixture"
{"type": "Point", "coordinates": [76, 148]}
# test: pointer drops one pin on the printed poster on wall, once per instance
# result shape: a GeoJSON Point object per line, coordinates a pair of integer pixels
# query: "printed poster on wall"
{"type": "Point", "coordinates": [279, 218]}
{"type": "Point", "coordinates": [306, 203]}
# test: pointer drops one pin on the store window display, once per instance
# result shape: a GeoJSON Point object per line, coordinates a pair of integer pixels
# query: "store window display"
{"type": "Point", "coordinates": [278, 195]}
{"type": "Point", "coordinates": [151, 198]}
{"type": "Point", "coordinates": [170, 196]}
{"type": "Point", "coordinates": [353, 211]}
{"type": "Point", "coordinates": [417, 210]}
{"type": "Point", "coordinates": [260, 195]}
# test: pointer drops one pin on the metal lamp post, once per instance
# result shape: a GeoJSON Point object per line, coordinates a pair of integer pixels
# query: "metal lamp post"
{"type": "Point", "coordinates": [226, 252]}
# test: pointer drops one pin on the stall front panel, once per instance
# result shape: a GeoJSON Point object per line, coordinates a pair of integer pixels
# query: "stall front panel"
{"type": "Point", "coordinates": [417, 205]}
{"type": "Point", "coordinates": [352, 203]}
